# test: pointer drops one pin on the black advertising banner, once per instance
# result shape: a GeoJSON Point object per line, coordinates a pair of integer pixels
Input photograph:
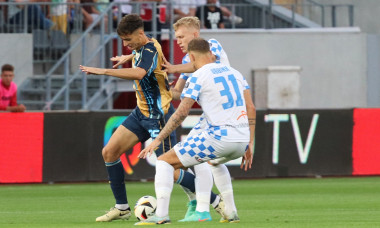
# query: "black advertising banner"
{"type": "Point", "coordinates": [287, 143]}
{"type": "Point", "coordinates": [66, 140]}
{"type": "Point", "coordinates": [303, 143]}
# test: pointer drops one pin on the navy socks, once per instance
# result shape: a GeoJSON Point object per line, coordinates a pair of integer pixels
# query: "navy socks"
{"type": "Point", "coordinates": [116, 178]}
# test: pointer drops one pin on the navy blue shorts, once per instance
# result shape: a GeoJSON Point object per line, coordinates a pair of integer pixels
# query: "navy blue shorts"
{"type": "Point", "coordinates": [145, 128]}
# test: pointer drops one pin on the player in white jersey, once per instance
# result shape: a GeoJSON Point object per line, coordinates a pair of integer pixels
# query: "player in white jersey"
{"type": "Point", "coordinates": [186, 29]}
{"type": "Point", "coordinates": [225, 98]}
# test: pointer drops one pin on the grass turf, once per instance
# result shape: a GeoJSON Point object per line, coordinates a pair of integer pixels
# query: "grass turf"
{"type": "Point", "coordinates": [298, 202]}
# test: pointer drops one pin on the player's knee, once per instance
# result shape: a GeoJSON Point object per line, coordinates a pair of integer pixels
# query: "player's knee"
{"type": "Point", "coordinates": [108, 155]}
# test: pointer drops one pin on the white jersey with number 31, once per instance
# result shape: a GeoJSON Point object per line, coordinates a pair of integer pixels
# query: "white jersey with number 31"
{"type": "Point", "coordinates": [219, 89]}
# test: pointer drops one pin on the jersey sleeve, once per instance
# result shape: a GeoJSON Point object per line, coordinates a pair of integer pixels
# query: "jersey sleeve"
{"type": "Point", "coordinates": [192, 88]}
{"type": "Point", "coordinates": [148, 60]}
{"type": "Point", "coordinates": [185, 60]}
{"type": "Point", "coordinates": [245, 84]}
{"type": "Point", "coordinates": [215, 48]}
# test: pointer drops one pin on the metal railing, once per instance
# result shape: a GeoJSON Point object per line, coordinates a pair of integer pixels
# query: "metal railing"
{"type": "Point", "coordinates": [107, 84]}
{"type": "Point", "coordinates": [85, 61]}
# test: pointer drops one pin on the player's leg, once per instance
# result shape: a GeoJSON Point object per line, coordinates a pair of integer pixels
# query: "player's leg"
{"type": "Point", "coordinates": [181, 176]}
{"type": "Point", "coordinates": [203, 186]}
{"type": "Point", "coordinates": [186, 179]}
{"type": "Point", "coordinates": [121, 141]}
{"type": "Point", "coordinates": [222, 179]}
{"type": "Point", "coordinates": [193, 151]}
{"type": "Point", "coordinates": [128, 134]}
{"type": "Point", "coordinates": [163, 183]}
{"type": "Point", "coordinates": [223, 182]}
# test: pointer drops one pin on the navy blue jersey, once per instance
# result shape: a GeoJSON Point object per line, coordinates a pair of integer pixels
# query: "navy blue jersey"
{"type": "Point", "coordinates": [152, 91]}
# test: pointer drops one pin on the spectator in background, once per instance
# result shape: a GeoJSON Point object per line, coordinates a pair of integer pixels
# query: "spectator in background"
{"type": "Point", "coordinates": [90, 13]}
{"type": "Point", "coordinates": [35, 17]}
{"type": "Point", "coordinates": [124, 8]}
{"type": "Point", "coordinates": [210, 15]}
{"type": "Point", "coordinates": [8, 91]}
{"type": "Point", "coordinates": [146, 14]}
{"type": "Point", "coordinates": [227, 14]}
{"type": "Point", "coordinates": [184, 8]}
{"type": "Point", "coordinates": [102, 5]}
{"type": "Point", "coordinates": [58, 14]}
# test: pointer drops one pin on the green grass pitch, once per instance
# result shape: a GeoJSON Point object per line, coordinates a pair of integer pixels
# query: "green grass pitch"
{"type": "Point", "coordinates": [288, 202]}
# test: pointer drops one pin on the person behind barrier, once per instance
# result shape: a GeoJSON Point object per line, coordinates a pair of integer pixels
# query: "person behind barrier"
{"type": "Point", "coordinates": [8, 91]}
{"type": "Point", "coordinates": [211, 15]}
{"type": "Point", "coordinates": [35, 16]}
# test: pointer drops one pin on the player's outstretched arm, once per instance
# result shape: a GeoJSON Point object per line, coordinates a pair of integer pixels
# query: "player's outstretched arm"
{"type": "Point", "coordinates": [177, 89]}
{"type": "Point", "coordinates": [124, 73]}
{"type": "Point", "coordinates": [175, 120]}
{"type": "Point", "coordinates": [121, 59]}
{"type": "Point", "coordinates": [246, 162]}
{"type": "Point", "coordinates": [180, 68]}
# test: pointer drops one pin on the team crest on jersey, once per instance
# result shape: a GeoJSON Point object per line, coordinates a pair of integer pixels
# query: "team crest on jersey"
{"type": "Point", "coordinates": [149, 50]}
{"type": "Point", "coordinates": [198, 158]}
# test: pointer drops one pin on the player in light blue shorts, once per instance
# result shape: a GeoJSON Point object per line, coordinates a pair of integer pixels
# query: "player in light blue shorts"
{"type": "Point", "coordinates": [226, 101]}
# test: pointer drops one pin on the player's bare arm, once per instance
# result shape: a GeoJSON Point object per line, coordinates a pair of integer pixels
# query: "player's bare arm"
{"type": "Point", "coordinates": [246, 162]}
{"type": "Point", "coordinates": [121, 59]}
{"type": "Point", "coordinates": [177, 89]}
{"type": "Point", "coordinates": [179, 68]}
{"type": "Point", "coordinates": [124, 73]}
{"type": "Point", "coordinates": [175, 120]}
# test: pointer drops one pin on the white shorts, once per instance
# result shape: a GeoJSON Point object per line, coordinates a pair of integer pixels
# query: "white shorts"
{"type": "Point", "coordinates": [199, 148]}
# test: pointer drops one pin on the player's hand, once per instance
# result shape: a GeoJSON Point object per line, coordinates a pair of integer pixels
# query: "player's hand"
{"type": "Point", "coordinates": [168, 66]}
{"type": "Point", "coordinates": [246, 162]}
{"type": "Point", "coordinates": [121, 59]}
{"type": "Point", "coordinates": [149, 149]}
{"type": "Point", "coordinates": [92, 70]}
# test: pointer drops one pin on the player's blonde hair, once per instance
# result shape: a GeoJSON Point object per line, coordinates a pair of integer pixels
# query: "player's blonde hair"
{"type": "Point", "coordinates": [190, 22]}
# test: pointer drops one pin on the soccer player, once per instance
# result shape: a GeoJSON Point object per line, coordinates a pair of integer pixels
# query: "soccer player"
{"type": "Point", "coordinates": [147, 119]}
{"type": "Point", "coordinates": [225, 98]}
{"type": "Point", "coordinates": [187, 29]}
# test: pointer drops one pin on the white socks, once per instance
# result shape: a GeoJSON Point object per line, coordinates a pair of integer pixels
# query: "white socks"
{"type": "Point", "coordinates": [163, 183]}
{"type": "Point", "coordinates": [122, 207]}
{"type": "Point", "coordinates": [203, 186]}
{"type": "Point", "coordinates": [223, 182]}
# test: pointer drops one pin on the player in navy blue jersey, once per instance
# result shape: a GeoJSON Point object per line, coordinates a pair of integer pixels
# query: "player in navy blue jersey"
{"type": "Point", "coordinates": [148, 118]}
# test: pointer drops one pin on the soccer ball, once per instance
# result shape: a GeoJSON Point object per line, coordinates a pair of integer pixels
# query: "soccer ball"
{"type": "Point", "coordinates": [145, 207]}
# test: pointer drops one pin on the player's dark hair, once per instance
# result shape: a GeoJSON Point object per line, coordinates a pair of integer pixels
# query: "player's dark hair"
{"type": "Point", "coordinates": [129, 24]}
{"type": "Point", "coordinates": [7, 67]}
{"type": "Point", "coordinates": [198, 45]}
